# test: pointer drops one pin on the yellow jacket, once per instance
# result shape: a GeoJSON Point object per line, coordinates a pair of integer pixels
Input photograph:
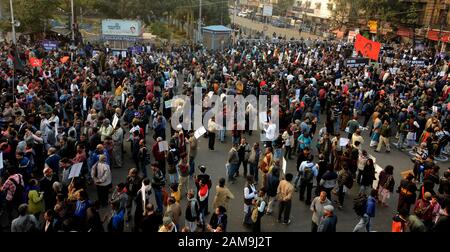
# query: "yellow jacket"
{"type": "Point", "coordinates": [35, 202]}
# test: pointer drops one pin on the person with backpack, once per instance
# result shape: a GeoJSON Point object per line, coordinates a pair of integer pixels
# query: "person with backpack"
{"type": "Point", "coordinates": [308, 171]}
{"type": "Point", "coordinates": [345, 182]}
{"type": "Point", "coordinates": [424, 210]}
{"type": "Point", "coordinates": [192, 213]}
{"type": "Point", "coordinates": [368, 176]}
{"type": "Point", "coordinates": [205, 179]}
{"type": "Point", "coordinates": [259, 209]}
{"type": "Point", "coordinates": [25, 222]}
{"type": "Point", "coordinates": [365, 206]}
{"type": "Point", "coordinates": [250, 193]}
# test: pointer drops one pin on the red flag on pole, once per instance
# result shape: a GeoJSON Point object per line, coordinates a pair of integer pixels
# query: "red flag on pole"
{"type": "Point", "coordinates": [35, 62]}
{"type": "Point", "coordinates": [368, 48]}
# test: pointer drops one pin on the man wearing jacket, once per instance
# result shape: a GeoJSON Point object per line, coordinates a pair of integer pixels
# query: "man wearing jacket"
{"type": "Point", "coordinates": [328, 221]}
{"type": "Point", "coordinates": [317, 207]}
{"type": "Point", "coordinates": [364, 224]}
{"type": "Point", "coordinates": [233, 161]}
{"type": "Point", "coordinates": [285, 191]}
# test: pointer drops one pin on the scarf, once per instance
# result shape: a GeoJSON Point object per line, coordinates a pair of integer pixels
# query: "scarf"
{"type": "Point", "coordinates": [145, 189]}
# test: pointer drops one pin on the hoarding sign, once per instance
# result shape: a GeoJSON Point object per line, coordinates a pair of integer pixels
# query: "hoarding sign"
{"type": "Point", "coordinates": [118, 27]}
{"type": "Point", "coordinates": [267, 10]}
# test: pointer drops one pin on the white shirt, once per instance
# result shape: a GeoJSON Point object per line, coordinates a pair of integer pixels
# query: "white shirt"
{"type": "Point", "coordinates": [270, 132]}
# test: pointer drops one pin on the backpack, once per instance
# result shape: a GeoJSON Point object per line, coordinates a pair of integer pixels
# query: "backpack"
{"type": "Point", "coordinates": [308, 175]}
{"type": "Point", "coordinates": [360, 205]}
{"type": "Point", "coordinates": [19, 192]}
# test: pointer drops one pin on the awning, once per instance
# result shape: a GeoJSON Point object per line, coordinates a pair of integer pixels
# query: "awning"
{"type": "Point", "coordinates": [435, 34]}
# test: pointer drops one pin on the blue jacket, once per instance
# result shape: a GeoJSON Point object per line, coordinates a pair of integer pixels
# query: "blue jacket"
{"type": "Point", "coordinates": [371, 204]}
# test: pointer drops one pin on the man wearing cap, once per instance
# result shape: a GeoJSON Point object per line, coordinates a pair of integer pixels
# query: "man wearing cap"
{"type": "Point", "coordinates": [328, 221]}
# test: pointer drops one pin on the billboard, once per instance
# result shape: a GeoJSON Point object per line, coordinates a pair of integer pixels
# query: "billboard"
{"type": "Point", "coordinates": [267, 10]}
{"type": "Point", "coordinates": [120, 27]}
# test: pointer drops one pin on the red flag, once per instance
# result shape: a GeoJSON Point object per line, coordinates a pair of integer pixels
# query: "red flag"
{"type": "Point", "coordinates": [368, 48]}
{"type": "Point", "coordinates": [64, 59]}
{"type": "Point", "coordinates": [35, 62]}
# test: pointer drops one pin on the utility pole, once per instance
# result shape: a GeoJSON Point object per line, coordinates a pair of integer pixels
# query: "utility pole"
{"type": "Point", "coordinates": [199, 39]}
{"type": "Point", "coordinates": [13, 22]}
{"type": "Point", "coordinates": [73, 22]}
{"type": "Point", "coordinates": [234, 13]}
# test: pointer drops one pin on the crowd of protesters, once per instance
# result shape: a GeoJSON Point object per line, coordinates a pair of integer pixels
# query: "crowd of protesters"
{"type": "Point", "coordinates": [98, 109]}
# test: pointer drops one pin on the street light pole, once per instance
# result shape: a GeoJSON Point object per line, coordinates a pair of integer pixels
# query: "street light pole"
{"type": "Point", "coordinates": [234, 13]}
{"type": "Point", "coordinates": [13, 22]}
{"type": "Point", "coordinates": [73, 21]}
{"type": "Point", "coordinates": [199, 21]}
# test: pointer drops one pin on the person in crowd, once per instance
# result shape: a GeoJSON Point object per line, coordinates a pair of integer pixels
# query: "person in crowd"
{"type": "Point", "coordinates": [317, 207]}
{"type": "Point", "coordinates": [284, 193]}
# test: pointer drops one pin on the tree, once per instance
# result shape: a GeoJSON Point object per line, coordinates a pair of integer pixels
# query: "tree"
{"type": "Point", "coordinates": [33, 15]}
{"type": "Point", "coordinates": [282, 7]}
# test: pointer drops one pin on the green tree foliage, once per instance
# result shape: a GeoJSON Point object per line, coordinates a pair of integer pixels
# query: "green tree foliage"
{"type": "Point", "coordinates": [33, 15]}
{"type": "Point", "coordinates": [282, 6]}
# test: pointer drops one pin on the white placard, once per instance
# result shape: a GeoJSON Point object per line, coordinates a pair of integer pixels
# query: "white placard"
{"type": "Point", "coordinates": [1, 160]}
{"type": "Point", "coordinates": [115, 121]}
{"type": "Point", "coordinates": [163, 146]}
{"type": "Point", "coordinates": [199, 132]}
{"type": "Point", "coordinates": [343, 142]}
{"type": "Point", "coordinates": [124, 54]}
{"type": "Point", "coordinates": [168, 104]}
{"type": "Point", "coordinates": [210, 94]}
{"type": "Point", "coordinates": [283, 167]}
{"type": "Point", "coordinates": [75, 170]}
{"type": "Point", "coordinates": [297, 94]}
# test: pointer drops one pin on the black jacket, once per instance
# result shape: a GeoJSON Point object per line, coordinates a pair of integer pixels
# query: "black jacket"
{"type": "Point", "coordinates": [215, 221]}
{"type": "Point", "coordinates": [151, 223]}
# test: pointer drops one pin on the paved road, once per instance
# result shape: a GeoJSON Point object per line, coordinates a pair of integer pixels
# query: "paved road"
{"type": "Point", "coordinates": [258, 26]}
{"type": "Point", "coordinates": [301, 215]}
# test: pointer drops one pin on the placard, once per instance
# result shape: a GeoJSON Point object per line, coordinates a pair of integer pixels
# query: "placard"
{"type": "Point", "coordinates": [75, 170]}
{"type": "Point", "coordinates": [163, 146]}
{"type": "Point", "coordinates": [199, 132]}
{"type": "Point", "coordinates": [343, 142]}
{"type": "Point", "coordinates": [168, 104]}
{"type": "Point", "coordinates": [1, 161]}
{"type": "Point", "coordinates": [115, 121]}
{"type": "Point", "coordinates": [283, 167]}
